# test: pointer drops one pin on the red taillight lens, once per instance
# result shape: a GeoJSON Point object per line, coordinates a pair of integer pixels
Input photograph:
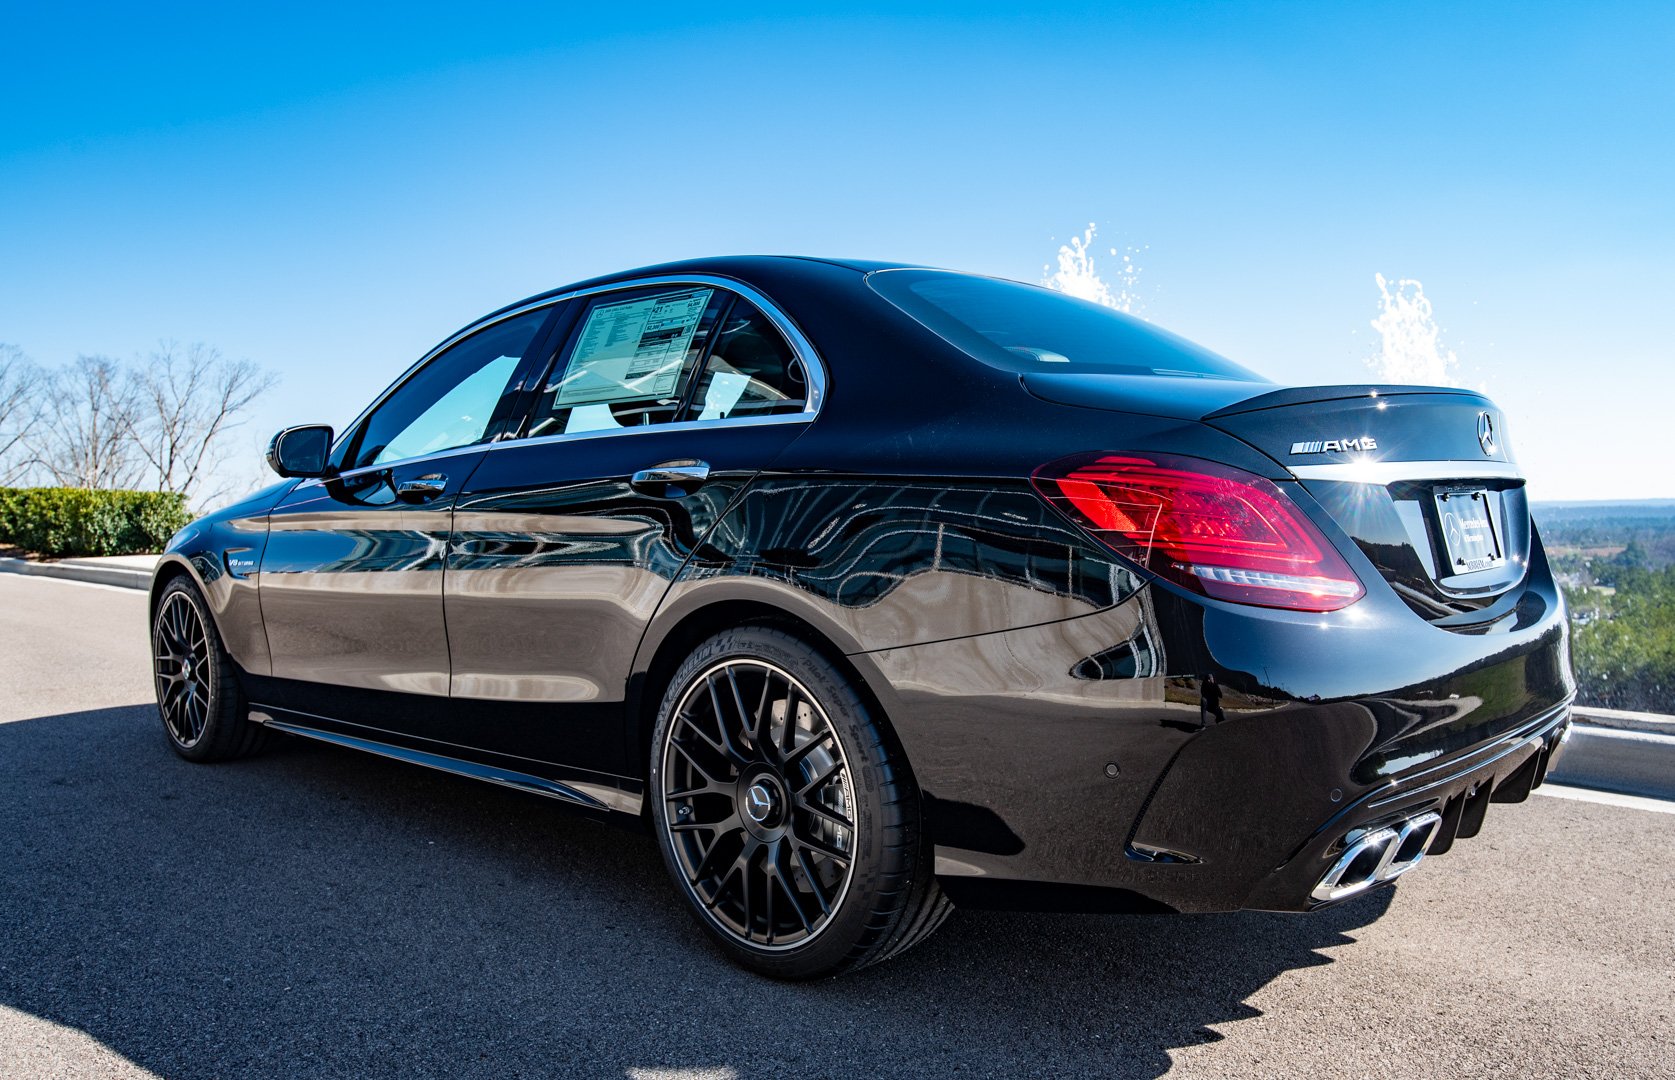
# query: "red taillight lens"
{"type": "Point", "coordinates": [1211, 528]}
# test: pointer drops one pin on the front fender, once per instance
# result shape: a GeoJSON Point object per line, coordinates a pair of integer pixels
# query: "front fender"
{"type": "Point", "coordinates": [221, 554]}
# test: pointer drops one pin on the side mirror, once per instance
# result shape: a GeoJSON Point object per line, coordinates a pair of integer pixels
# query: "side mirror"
{"type": "Point", "coordinates": [301, 451]}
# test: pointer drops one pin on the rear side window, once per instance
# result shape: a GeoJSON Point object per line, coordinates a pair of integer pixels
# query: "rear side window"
{"type": "Point", "coordinates": [751, 370]}
{"type": "Point", "coordinates": [1025, 328]}
{"type": "Point", "coordinates": [653, 356]}
{"type": "Point", "coordinates": [629, 361]}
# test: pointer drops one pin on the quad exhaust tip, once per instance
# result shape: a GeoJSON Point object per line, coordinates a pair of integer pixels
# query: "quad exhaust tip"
{"type": "Point", "coordinates": [1378, 856]}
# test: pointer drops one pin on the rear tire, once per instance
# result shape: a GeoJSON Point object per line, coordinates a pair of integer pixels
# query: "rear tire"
{"type": "Point", "coordinates": [203, 708]}
{"type": "Point", "coordinates": [785, 811]}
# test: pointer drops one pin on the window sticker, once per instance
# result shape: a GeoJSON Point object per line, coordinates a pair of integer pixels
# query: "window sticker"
{"type": "Point", "coordinates": [632, 350]}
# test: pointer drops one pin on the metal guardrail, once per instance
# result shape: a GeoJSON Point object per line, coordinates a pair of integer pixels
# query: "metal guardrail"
{"type": "Point", "coordinates": [1621, 720]}
{"type": "Point", "coordinates": [1632, 753]}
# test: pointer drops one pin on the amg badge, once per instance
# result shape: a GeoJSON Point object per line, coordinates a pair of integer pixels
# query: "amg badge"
{"type": "Point", "coordinates": [1327, 446]}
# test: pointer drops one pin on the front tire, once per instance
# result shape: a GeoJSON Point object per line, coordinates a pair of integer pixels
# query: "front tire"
{"type": "Point", "coordinates": [203, 708]}
{"type": "Point", "coordinates": [785, 812]}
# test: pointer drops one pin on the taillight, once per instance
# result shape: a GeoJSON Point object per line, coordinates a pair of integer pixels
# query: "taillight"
{"type": "Point", "coordinates": [1208, 527]}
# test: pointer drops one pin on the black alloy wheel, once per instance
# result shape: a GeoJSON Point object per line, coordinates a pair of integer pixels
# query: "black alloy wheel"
{"type": "Point", "coordinates": [759, 799]}
{"type": "Point", "coordinates": [778, 843]}
{"type": "Point", "coordinates": [181, 659]}
{"type": "Point", "coordinates": [198, 695]}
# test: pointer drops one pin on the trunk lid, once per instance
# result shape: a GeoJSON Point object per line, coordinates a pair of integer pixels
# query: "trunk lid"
{"type": "Point", "coordinates": [1421, 478]}
{"type": "Point", "coordinates": [1322, 425]}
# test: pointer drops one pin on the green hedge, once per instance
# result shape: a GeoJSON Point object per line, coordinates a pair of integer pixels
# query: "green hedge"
{"type": "Point", "coordinates": [75, 521]}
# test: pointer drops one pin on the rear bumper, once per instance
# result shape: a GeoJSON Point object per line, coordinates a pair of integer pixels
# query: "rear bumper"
{"type": "Point", "coordinates": [1504, 770]}
{"type": "Point", "coordinates": [1079, 765]}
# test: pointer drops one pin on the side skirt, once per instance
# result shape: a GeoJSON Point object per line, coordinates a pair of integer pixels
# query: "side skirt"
{"type": "Point", "coordinates": [591, 791]}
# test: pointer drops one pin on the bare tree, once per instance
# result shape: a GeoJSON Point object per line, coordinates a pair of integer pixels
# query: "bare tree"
{"type": "Point", "coordinates": [185, 400]}
{"type": "Point", "coordinates": [20, 411]}
{"type": "Point", "coordinates": [84, 437]}
{"type": "Point", "coordinates": [99, 423]}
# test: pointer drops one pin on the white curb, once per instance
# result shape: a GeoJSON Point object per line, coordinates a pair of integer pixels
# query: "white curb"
{"type": "Point", "coordinates": [127, 577]}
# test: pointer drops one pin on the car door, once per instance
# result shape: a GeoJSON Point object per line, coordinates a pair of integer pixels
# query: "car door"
{"type": "Point", "coordinates": [351, 579]}
{"type": "Point", "coordinates": [661, 404]}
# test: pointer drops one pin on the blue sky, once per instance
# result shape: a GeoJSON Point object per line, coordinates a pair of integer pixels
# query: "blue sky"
{"type": "Point", "coordinates": [330, 192]}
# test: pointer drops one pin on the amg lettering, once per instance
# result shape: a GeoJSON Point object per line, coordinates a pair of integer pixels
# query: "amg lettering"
{"type": "Point", "coordinates": [1327, 446]}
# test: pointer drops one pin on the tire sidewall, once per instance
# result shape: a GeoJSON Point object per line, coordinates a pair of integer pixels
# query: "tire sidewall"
{"type": "Point", "coordinates": [863, 751]}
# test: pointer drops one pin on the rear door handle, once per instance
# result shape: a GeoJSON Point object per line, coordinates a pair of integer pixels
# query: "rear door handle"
{"type": "Point", "coordinates": [421, 489]}
{"type": "Point", "coordinates": [672, 479]}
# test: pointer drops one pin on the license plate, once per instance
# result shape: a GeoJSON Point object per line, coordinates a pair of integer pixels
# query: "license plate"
{"type": "Point", "coordinates": [1468, 531]}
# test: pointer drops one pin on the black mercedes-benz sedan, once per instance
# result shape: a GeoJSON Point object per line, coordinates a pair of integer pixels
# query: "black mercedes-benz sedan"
{"type": "Point", "coordinates": [874, 589]}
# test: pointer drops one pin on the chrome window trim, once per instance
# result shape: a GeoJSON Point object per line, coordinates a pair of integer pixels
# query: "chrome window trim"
{"type": "Point", "coordinates": [574, 436]}
{"type": "Point", "coordinates": [648, 429]}
{"type": "Point", "coordinates": [813, 367]}
{"type": "Point", "coordinates": [384, 466]}
{"type": "Point", "coordinates": [1390, 472]}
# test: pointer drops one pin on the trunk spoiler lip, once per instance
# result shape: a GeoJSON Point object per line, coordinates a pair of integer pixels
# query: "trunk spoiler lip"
{"type": "Point", "coordinates": [1368, 471]}
{"type": "Point", "coordinates": [1313, 395]}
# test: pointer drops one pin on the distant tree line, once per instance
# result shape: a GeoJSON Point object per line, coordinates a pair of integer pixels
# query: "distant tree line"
{"type": "Point", "coordinates": [1623, 633]}
{"type": "Point", "coordinates": [1570, 532]}
{"type": "Point", "coordinates": [152, 423]}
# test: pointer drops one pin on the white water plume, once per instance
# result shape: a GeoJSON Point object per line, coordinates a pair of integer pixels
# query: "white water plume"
{"type": "Point", "coordinates": [1410, 349]}
{"type": "Point", "coordinates": [1077, 276]}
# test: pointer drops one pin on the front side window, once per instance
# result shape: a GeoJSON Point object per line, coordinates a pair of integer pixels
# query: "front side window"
{"type": "Point", "coordinates": [449, 402]}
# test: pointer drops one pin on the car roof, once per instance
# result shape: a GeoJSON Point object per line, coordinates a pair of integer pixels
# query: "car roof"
{"type": "Point", "coordinates": [742, 263]}
{"type": "Point", "coordinates": [743, 267]}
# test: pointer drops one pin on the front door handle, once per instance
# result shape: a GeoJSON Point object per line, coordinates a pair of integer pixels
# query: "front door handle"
{"type": "Point", "coordinates": [672, 479]}
{"type": "Point", "coordinates": [421, 489]}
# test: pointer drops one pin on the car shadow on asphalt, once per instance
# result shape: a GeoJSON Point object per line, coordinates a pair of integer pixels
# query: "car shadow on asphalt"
{"type": "Point", "coordinates": [316, 912]}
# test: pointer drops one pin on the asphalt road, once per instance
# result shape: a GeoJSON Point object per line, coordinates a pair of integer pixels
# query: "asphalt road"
{"type": "Point", "coordinates": [317, 913]}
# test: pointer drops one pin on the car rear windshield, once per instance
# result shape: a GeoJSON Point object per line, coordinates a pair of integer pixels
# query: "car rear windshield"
{"type": "Point", "coordinates": [1026, 328]}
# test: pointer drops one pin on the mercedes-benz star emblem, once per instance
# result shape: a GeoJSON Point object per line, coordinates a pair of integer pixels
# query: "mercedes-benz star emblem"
{"type": "Point", "coordinates": [759, 802]}
{"type": "Point", "coordinates": [1486, 432]}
